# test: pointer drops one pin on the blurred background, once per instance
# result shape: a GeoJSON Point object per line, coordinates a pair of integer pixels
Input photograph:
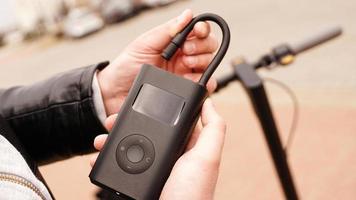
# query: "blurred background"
{"type": "Point", "coordinates": [39, 38]}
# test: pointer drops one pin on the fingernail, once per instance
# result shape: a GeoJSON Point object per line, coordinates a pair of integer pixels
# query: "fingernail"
{"type": "Point", "coordinates": [190, 48]}
{"type": "Point", "coordinates": [191, 61]}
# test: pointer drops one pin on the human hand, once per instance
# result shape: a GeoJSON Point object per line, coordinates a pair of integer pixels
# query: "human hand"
{"type": "Point", "coordinates": [195, 173]}
{"type": "Point", "coordinates": [190, 61]}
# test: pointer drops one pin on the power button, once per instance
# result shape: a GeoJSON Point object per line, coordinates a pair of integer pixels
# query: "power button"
{"type": "Point", "coordinates": [135, 153]}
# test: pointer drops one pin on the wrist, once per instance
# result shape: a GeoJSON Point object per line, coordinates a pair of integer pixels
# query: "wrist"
{"type": "Point", "coordinates": [110, 89]}
{"type": "Point", "coordinates": [104, 84]}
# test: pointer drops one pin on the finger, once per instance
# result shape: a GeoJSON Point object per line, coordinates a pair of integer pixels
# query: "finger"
{"type": "Point", "coordinates": [93, 159]}
{"type": "Point", "coordinates": [99, 141]}
{"type": "Point", "coordinates": [211, 138]}
{"type": "Point", "coordinates": [110, 121]}
{"type": "Point", "coordinates": [194, 137]}
{"type": "Point", "coordinates": [200, 46]}
{"type": "Point", "coordinates": [211, 86]}
{"type": "Point", "coordinates": [200, 30]}
{"type": "Point", "coordinates": [179, 22]}
{"type": "Point", "coordinates": [166, 31]}
{"type": "Point", "coordinates": [197, 61]}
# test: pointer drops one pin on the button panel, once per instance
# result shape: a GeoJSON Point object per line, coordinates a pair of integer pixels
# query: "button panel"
{"type": "Point", "coordinates": [135, 154]}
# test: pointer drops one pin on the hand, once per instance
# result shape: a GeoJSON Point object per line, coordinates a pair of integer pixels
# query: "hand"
{"type": "Point", "coordinates": [195, 173]}
{"type": "Point", "coordinates": [190, 61]}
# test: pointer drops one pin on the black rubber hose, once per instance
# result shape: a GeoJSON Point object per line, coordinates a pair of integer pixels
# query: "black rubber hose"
{"type": "Point", "coordinates": [179, 39]}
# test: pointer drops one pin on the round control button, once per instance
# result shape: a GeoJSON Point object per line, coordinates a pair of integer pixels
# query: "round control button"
{"type": "Point", "coordinates": [135, 154]}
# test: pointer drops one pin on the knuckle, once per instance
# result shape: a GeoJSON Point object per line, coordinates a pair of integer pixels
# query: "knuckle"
{"type": "Point", "coordinates": [197, 27]}
{"type": "Point", "coordinates": [206, 28]}
{"type": "Point", "coordinates": [202, 29]}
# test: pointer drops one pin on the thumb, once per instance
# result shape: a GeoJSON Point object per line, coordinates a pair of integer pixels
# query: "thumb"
{"type": "Point", "coordinates": [159, 37]}
{"type": "Point", "coordinates": [211, 138]}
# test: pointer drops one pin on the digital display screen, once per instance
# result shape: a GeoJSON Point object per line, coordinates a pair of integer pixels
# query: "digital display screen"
{"type": "Point", "coordinates": [159, 104]}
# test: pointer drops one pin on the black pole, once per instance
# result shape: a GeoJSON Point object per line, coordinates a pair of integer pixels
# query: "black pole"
{"type": "Point", "coordinates": [245, 73]}
{"type": "Point", "coordinates": [253, 84]}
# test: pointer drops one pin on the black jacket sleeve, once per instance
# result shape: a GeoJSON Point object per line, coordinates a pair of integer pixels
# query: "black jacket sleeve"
{"type": "Point", "coordinates": [55, 118]}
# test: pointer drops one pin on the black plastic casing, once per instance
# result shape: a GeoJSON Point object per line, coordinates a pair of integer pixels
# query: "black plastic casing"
{"type": "Point", "coordinates": [169, 140]}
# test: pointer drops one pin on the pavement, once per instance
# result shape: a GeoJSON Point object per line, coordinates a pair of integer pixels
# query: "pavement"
{"type": "Point", "coordinates": [322, 154]}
